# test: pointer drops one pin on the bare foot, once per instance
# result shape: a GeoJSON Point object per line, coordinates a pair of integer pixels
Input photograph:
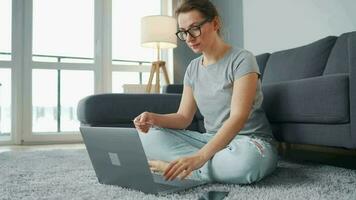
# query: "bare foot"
{"type": "Point", "coordinates": [158, 165]}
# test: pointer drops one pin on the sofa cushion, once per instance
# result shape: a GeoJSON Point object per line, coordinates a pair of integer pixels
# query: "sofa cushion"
{"type": "Point", "coordinates": [173, 89]}
{"type": "Point", "coordinates": [323, 99]}
{"type": "Point", "coordinates": [338, 61]}
{"type": "Point", "coordinates": [262, 61]}
{"type": "Point", "coordinates": [302, 62]}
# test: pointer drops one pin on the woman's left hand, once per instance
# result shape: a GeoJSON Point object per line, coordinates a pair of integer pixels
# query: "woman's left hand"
{"type": "Point", "coordinates": [182, 167]}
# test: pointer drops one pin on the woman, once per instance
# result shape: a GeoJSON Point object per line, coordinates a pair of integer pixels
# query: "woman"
{"type": "Point", "coordinates": [224, 84]}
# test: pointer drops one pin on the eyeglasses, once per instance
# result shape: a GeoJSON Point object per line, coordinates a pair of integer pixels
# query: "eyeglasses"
{"type": "Point", "coordinates": [194, 31]}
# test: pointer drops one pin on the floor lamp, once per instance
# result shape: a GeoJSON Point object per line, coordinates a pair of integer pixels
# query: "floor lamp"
{"type": "Point", "coordinates": [158, 31]}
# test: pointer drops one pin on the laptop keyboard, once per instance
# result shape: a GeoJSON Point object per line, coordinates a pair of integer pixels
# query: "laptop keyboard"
{"type": "Point", "coordinates": [162, 184]}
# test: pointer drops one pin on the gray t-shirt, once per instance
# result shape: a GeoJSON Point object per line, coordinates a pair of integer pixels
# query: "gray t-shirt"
{"type": "Point", "coordinates": [212, 88]}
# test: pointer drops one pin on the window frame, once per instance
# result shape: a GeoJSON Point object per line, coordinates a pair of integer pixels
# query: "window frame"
{"type": "Point", "coordinates": [28, 136]}
{"type": "Point", "coordinates": [15, 93]}
{"type": "Point", "coordinates": [22, 65]}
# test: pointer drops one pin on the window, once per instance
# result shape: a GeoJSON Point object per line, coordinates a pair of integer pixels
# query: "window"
{"type": "Point", "coordinates": [71, 94]}
{"type": "Point", "coordinates": [126, 46]}
{"type": "Point", "coordinates": [5, 69]}
{"type": "Point", "coordinates": [63, 55]}
{"type": "Point", "coordinates": [126, 28]}
{"type": "Point", "coordinates": [60, 33]}
{"type": "Point", "coordinates": [44, 100]}
{"type": "Point", "coordinates": [56, 110]}
{"type": "Point", "coordinates": [5, 104]}
{"type": "Point", "coordinates": [5, 30]}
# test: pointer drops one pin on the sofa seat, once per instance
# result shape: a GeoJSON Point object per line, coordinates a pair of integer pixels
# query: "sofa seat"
{"type": "Point", "coordinates": [322, 100]}
{"type": "Point", "coordinates": [309, 96]}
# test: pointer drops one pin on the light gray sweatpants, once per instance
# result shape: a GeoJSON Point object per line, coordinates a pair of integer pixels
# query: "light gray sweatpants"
{"type": "Point", "coordinates": [245, 160]}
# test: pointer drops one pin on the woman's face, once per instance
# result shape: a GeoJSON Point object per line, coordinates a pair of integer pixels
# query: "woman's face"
{"type": "Point", "coordinates": [190, 20]}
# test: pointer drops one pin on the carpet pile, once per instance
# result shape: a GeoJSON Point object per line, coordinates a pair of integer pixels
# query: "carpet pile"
{"type": "Point", "coordinates": [68, 174]}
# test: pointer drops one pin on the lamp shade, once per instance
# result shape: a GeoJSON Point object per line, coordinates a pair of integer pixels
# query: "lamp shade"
{"type": "Point", "coordinates": [158, 31]}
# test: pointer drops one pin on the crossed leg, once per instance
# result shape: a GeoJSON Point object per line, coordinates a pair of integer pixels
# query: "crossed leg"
{"type": "Point", "coordinates": [165, 145]}
{"type": "Point", "coordinates": [244, 160]}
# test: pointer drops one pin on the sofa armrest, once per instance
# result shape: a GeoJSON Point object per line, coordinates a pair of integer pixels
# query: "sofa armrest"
{"type": "Point", "coordinates": [352, 70]}
{"type": "Point", "coordinates": [262, 61]}
{"type": "Point", "coordinates": [320, 100]}
{"type": "Point", "coordinates": [109, 109]}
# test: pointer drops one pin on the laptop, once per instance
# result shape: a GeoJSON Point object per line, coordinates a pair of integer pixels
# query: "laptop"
{"type": "Point", "coordinates": [118, 158]}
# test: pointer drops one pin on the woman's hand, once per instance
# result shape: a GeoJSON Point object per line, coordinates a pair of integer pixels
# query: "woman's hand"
{"type": "Point", "coordinates": [144, 122]}
{"type": "Point", "coordinates": [182, 167]}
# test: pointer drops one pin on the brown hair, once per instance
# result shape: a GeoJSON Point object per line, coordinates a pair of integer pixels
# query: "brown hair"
{"type": "Point", "coordinates": [205, 7]}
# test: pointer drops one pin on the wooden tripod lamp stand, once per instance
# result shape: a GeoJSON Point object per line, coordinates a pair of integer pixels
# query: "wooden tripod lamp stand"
{"type": "Point", "coordinates": [158, 31]}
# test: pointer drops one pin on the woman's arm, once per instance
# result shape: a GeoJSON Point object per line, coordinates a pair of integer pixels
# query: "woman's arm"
{"type": "Point", "coordinates": [179, 120]}
{"type": "Point", "coordinates": [243, 96]}
{"type": "Point", "coordinates": [244, 91]}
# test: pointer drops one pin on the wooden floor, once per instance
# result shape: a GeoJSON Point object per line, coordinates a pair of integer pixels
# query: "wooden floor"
{"type": "Point", "coordinates": [40, 147]}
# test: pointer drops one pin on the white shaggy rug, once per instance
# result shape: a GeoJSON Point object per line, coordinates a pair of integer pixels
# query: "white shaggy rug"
{"type": "Point", "coordinates": [68, 174]}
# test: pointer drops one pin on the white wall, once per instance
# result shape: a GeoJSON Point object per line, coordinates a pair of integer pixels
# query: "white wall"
{"type": "Point", "coordinates": [232, 20]}
{"type": "Point", "coordinates": [275, 25]}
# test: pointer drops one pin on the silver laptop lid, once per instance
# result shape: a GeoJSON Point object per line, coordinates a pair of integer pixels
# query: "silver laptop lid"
{"type": "Point", "coordinates": [118, 157]}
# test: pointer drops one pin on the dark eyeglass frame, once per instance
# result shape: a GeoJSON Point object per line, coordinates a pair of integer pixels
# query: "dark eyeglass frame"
{"type": "Point", "coordinates": [188, 31]}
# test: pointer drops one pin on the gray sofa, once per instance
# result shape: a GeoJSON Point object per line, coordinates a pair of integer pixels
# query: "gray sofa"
{"type": "Point", "coordinates": [309, 96]}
